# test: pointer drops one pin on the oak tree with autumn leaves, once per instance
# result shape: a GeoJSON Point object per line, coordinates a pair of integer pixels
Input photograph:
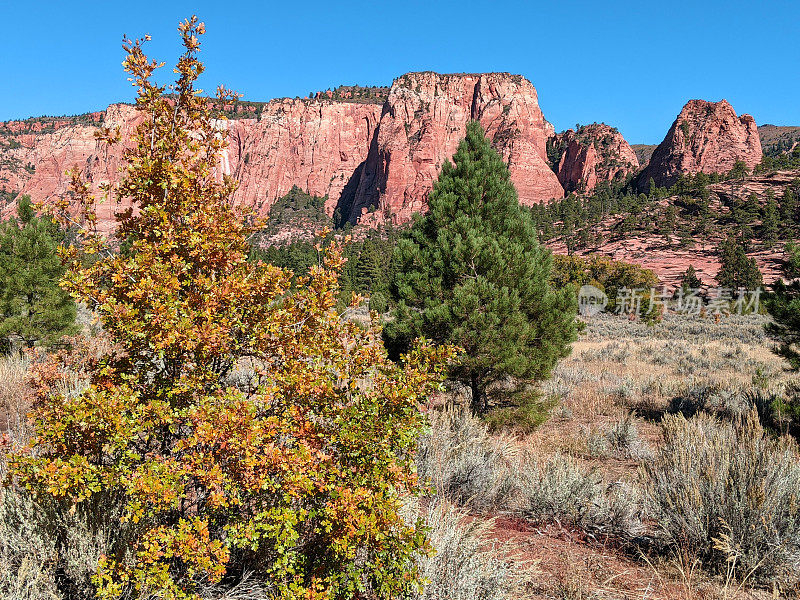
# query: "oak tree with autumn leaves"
{"type": "Point", "coordinates": [238, 425]}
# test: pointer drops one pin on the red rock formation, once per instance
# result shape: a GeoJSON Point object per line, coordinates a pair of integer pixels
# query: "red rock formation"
{"type": "Point", "coordinates": [706, 137]}
{"type": "Point", "coordinates": [670, 262]}
{"type": "Point", "coordinates": [38, 166]}
{"type": "Point", "coordinates": [425, 117]}
{"type": "Point", "coordinates": [357, 154]}
{"type": "Point", "coordinates": [592, 154]}
{"type": "Point", "coordinates": [314, 145]}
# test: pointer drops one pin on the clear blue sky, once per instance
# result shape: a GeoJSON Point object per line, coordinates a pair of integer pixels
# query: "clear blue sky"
{"type": "Point", "coordinates": [630, 64]}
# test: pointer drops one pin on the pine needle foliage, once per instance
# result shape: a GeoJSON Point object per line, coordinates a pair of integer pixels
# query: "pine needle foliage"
{"type": "Point", "coordinates": [33, 308]}
{"type": "Point", "coordinates": [472, 273]}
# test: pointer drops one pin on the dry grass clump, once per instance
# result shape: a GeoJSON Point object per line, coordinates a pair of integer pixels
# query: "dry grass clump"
{"type": "Point", "coordinates": [729, 494]}
{"type": "Point", "coordinates": [624, 441]}
{"type": "Point", "coordinates": [712, 398]}
{"type": "Point", "coordinates": [467, 565]}
{"type": "Point", "coordinates": [556, 488]}
{"type": "Point", "coordinates": [48, 549]}
{"type": "Point", "coordinates": [464, 462]}
{"type": "Point", "coordinates": [15, 398]}
{"type": "Point", "coordinates": [28, 554]}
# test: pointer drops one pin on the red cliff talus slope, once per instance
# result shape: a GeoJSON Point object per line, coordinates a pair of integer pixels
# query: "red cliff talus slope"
{"type": "Point", "coordinates": [706, 137]}
{"type": "Point", "coordinates": [593, 154]}
{"type": "Point", "coordinates": [423, 120]}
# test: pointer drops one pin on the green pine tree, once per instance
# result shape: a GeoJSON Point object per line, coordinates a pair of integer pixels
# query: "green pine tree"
{"type": "Point", "coordinates": [690, 280]}
{"type": "Point", "coordinates": [770, 222]}
{"type": "Point", "coordinates": [33, 308]}
{"type": "Point", "coordinates": [737, 270]}
{"type": "Point", "coordinates": [668, 223]}
{"type": "Point", "coordinates": [783, 306]}
{"type": "Point", "coordinates": [739, 171]}
{"type": "Point", "coordinates": [472, 273]}
{"type": "Point", "coordinates": [369, 269]}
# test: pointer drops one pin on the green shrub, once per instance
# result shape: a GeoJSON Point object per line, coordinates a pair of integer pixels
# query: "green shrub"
{"type": "Point", "coordinates": [604, 273]}
{"type": "Point", "coordinates": [717, 485]}
{"type": "Point", "coordinates": [523, 411]}
{"type": "Point", "coordinates": [378, 303]}
{"type": "Point", "coordinates": [778, 411]}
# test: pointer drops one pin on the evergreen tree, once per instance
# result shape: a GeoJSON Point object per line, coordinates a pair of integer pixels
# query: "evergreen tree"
{"type": "Point", "coordinates": [744, 215]}
{"type": "Point", "coordinates": [738, 171]}
{"type": "Point", "coordinates": [568, 233]}
{"type": "Point", "coordinates": [788, 208]}
{"type": "Point", "coordinates": [369, 269]}
{"type": "Point", "coordinates": [472, 273]}
{"type": "Point", "coordinates": [690, 280]}
{"type": "Point", "coordinates": [784, 307]}
{"type": "Point", "coordinates": [668, 224]}
{"type": "Point", "coordinates": [770, 221]}
{"type": "Point", "coordinates": [737, 269]}
{"type": "Point", "coordinates": [33, 308]}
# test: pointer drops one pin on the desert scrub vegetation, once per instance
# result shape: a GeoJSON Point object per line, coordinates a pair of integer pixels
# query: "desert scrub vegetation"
{"type": "Point", "coordinates": [49, 549]}
{"type": "Point", "coordinates": [467, 564]}
{"type": "Point", "coordinates": [747, 329]}
{"type": "Point", "coordinates": [15, 397]}
{"type": "Point", "coordinates": [463, 462]}
{"type": "Point", "coordinates": [467, 465]}
{"type": "Point", "coordinates": [729, 494]}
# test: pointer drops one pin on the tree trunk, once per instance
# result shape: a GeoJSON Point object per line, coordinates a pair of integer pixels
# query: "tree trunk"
{"type": "Point", "coordinates": [478, 400]}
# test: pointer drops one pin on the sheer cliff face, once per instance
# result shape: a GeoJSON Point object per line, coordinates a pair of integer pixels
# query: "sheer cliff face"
{"type": "Point", "coordinates": [318, 146]}
{"type": "Point", "coordinates": [358, 155]}
{"type": "Point", "coordinates": [423, 120]}
{"type": "Point", "coordinates": [706, 137]}
{"type": "Point", "coordinates": [37, 166]}
{"type": "Point", "coordinates": [593, 154]}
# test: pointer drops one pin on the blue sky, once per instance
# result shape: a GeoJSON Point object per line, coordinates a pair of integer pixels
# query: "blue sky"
{"type": "Point", "coordinates": [630, 64]}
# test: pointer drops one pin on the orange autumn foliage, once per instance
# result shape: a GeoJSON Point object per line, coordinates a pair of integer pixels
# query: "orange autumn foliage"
{"type": "Point", "coordinates": [237, 423]}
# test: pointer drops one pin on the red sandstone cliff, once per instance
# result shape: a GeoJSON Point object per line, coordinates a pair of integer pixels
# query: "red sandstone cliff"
{"type": "Point", "coordinates": [36, 161]}
{"type": "Point", "coordinates": [357, 154]}
{"type": "Point", "coordinates": [423, 120]}
{"type": "Point", "coordinates": [706, 137]}
{"type": "Point", "coordinates": [315, 145]}
{"type": "Point", "coordinates": [593, 154]}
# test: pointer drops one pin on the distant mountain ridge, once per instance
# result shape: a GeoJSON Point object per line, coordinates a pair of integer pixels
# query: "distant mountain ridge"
{"type": "Point", "coordinates": [776, 139]}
